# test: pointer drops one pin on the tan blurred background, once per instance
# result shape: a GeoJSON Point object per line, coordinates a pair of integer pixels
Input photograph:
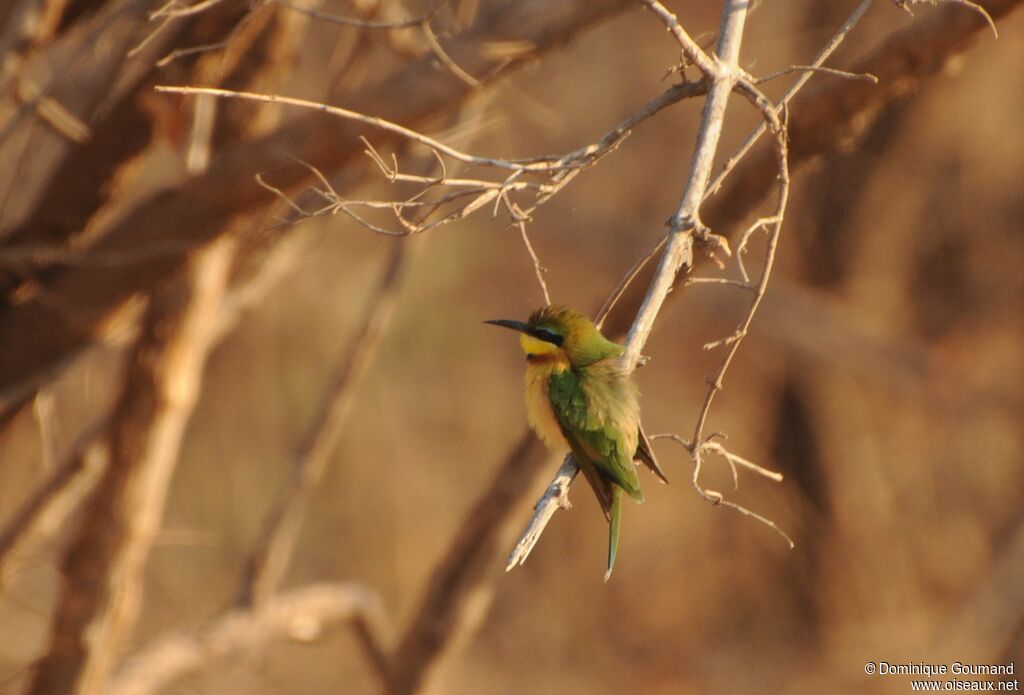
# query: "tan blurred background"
{"type": "Point", "coordinates": [882, 377]}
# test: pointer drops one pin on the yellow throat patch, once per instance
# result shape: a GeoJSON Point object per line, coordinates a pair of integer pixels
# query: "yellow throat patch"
{"type": "Point", "coordinates": [536, 346]}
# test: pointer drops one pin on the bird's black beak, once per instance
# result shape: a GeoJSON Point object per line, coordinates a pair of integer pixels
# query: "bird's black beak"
{"type": "Point", "coordinates": [545, 334]}
{"type": "Point", "coordinates": [514, 325]}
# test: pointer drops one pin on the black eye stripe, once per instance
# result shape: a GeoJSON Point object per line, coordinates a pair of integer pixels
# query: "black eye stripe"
{"type": "Point", "coordinates": [548, 336]}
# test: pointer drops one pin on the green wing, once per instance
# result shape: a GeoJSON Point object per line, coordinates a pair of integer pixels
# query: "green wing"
{"type": "Point", "coordinates": [589, 424]}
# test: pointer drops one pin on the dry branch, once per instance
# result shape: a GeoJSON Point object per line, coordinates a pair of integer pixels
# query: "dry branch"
{"type": "Point", "coordinates": [555, 497]}
{"type": "Point", "coordinates": [685, 222]}
{"type": "Point", "coordinates": [303, 614]}
{"type": "Point", "coordinates": [36, 337]}
{"type": "Point", "coordinates": [85, 181]}
{"type": "Point", "coordinates": [103, 569]}
{"type": "Point", "coordinates": [442, 200]}
{"type": "Point", "coordinates": [835, 115]}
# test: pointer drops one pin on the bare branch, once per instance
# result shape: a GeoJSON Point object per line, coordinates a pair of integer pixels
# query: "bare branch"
{"type": "Point", "coordinates": [36, 338]}
{"type": "Point", "coordinates": [304, 615]}
{"type": "Point", "coordinates": [713, 496]}
{"type": "Point", "coordinates": [691, 49]}
{"type": "Point", "coordinates": [685, 223]}
{"type": "Point", "coordinates": [445, 59]}
{"type": "Point", "coordinates": [373, 121]}
{"type": "Point", "coordinates": [627, 279]}
{"type": "Point", "coordinates": [732, 458]}
{"type": "Point", "coordinates": [175, 9]}
{"type": "Point", "coordinates": [555, 497]}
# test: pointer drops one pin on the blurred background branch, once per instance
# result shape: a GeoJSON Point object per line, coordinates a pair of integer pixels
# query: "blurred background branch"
{"type": "Point", "coordinates": [103, 567]}
{"type": "Point", "coordinates": [36, 337]}
{"type": "Point", "coordinates": [301, 614]}
{"type": "Point", "coordinates": [872, 381]}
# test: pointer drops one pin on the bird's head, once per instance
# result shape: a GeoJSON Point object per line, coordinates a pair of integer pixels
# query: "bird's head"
{"type": "Point", "coordinates": [561, 332]}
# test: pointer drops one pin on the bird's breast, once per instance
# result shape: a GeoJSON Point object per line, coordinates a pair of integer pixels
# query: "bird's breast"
{"type": "Point", "coordinates": [538, 405]}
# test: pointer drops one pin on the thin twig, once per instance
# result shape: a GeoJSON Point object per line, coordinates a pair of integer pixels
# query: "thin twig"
{"type": "Point", "coordinates": [373, 121]}
{"type": "Point", "coordinates": [445, 59]}
{"type": "Point", "coordinates": [691, 49]}
{"type": "Point", "coordinates": [538, 269]}
{"type": "Point", "coordinates": [576, 158]}
{"type": "Point", "coordinates": [716, 448]}
{"type": "Point", "coordinates": [743, 285]}
{"type": "Point", "coordinates": [626, 280]}
{"type": "Point", "coordinates": [819, 60]}
{"type": "Point", "coordinates": [175, 10]}
{"type": "Point", "coordinates": [713, 496]}
{"type": "Point", "coordinates": [715, 384]}
{"type": "Point", "coordinates": [868, 77]}
{"type": "Point", "coordinates": [186, 52]}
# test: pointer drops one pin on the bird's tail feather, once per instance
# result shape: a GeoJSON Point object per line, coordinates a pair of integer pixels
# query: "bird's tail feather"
{"type": "Point", "coordinates": [615, 518]}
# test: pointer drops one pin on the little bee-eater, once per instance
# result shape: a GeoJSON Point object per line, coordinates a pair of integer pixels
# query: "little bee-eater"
{"type": "Point", "coordinates": [577, 393]}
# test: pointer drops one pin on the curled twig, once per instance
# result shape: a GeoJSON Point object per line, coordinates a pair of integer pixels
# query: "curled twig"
{"type": "Point", "coordinates": [708, 445]}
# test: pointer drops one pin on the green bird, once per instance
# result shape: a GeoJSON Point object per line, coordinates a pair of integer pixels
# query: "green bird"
{"type": "Point", "coordinates": [578, 393]}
